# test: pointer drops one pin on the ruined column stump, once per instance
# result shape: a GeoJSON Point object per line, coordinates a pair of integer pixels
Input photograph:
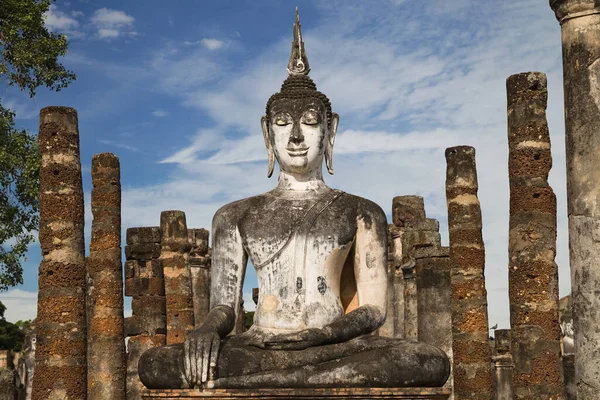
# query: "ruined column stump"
{"type": "Point", "coordinates": [178, 281]}
{"type": "Point", "coordinates": [471, 350]}
{"type": "Point", "coordinates": [532, 271]}
{"type": "Point", "coordinates": [580, 27]}
{"type": "Point", "coordinates": [503, 365]}
{"type": "Point", "coordinates": [106, 338]}
{"type": "Point", "coordinates": [147, 327]}
{"type": "Point", "coordinates": [199, 261]}
{"type": "Point", "coordinates": [60, 358]}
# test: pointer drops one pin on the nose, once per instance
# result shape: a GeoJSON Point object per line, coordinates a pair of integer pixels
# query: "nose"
{"type": "Point", "coordinates": [296, 136]}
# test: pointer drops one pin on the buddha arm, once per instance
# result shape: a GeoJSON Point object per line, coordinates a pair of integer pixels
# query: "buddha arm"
{"type": "Point", "coordinates": [370, 270]}
{"type": "Point", "coordinates": [227, 270]}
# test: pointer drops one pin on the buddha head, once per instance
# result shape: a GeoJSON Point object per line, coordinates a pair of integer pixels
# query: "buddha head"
{"type": "Point", "coordinates": [299, 127]}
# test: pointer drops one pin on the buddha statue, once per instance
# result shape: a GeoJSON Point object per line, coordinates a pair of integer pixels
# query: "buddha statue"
{"type": "Point", "coordinates": [320, 257]}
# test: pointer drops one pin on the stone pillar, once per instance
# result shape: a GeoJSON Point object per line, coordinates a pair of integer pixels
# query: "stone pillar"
{"type": "Point", "coordinates": [106, 339]}
{"type": "Point", "coordinates": [61, 367]}
{"type": "Point", "coordinates": [471, 350]}
{"type": "Point", "coordinates": [394, 322]}
{"type": "Point", "coordinates": [532, 272]}
{"type": "Point", "coordinates": [199, 261]}
{"type": "Point", "coordinates": [434, 298]}
{"type": "Point", "coordinates": [178, 281]}
{"type": "Point", "coordinates": [569, 376]}
{"type": "Point", "coordinates": [580, 26]}
{"type": "Point", "coordinates": [503, 365]}
{"type": "Point", "coordinates": [147, 327]}
{"type": "Point", "coordinates": [411, 323]}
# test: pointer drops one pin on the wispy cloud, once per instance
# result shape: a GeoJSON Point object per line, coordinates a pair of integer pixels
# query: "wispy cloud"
{"type": "Point", "coordinates": [111, 24]}
{"type": "Point", "coordinates": [160, 113]}
{"type": "Point", "coordinates": [119, 145]}
{"type": "Point", "coordinates": [212, 44]}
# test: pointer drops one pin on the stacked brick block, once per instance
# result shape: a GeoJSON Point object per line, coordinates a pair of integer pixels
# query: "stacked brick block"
{"type": "Point", "coordinates": [144, 282]}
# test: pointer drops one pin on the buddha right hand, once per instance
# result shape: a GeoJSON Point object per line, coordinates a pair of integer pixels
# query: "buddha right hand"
{"type": "Point", "coordinates": [201, 349]}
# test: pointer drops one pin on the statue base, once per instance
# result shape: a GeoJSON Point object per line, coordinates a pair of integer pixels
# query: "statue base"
{"type": "Point", "coordinates": [299, 394]}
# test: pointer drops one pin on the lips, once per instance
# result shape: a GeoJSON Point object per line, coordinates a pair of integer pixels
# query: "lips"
{"type": "Point", "coordinates": [297, 152]}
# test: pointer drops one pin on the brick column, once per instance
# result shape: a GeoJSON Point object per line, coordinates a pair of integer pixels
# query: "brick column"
{"type": "Point", "coordinates": [503, 365]}
{"type": "Point", "coordinates": [532, 272]}
{"type": "Point", "coordinates": [106, 339]}
{"type": "Point", "coordinates": [178, 283]}
{"type": "Point", "coordinates": [199, 261]}
{"type": "Point", "coordinates": [471, 350]}
{"type": "Point", "coordinates": [147, 327]}
{"type": "Point", "coordinates": [61, 367]}
{"type": "Point", "coordinates": [580, 26]}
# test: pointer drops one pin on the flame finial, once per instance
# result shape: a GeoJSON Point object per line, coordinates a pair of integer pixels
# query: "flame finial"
{"type": "Point", "coordinates": [298, 64]}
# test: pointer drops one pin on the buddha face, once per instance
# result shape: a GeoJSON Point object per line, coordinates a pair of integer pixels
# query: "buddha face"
{"type": "Point", "coordinates": [296, 132]}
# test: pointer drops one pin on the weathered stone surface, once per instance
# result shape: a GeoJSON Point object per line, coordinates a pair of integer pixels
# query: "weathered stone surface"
{"type": "Point", "coordinates": [142, 251]}
{"type": "Point", "coordinates": [411, 310]}
{"type": "Point", "coordinates": [434, 304]}
{"type": "Point", "coordinates": [471, 351]}
{"type": "Point", "coordinates": [301, 394]}
{"type": "Point", "coordinates": [26, 365]}
{"type": "Point", "coordinates": [199, 263]}
{"type": "Point", "coordinates": [569, 376]}
{"type": "Point", "coordinates": [533, 274]}
{"type": "Point", "coordinates": [580, 26]}
{"type": "Point", "coordinates": [406, 209]}
{"type": "Point", "coordinates": [61, 322]}
{"type": "Point", "coordinates": [503, 365]}
{"type": "Point", "coordinates": [144, 281]}
{"type": "Point", "coordinates": [394, 322]}
{"type": "Point", "coordinates": [175, 247]}
{"type": "Point", "coordinates": [147, 234]}
{"type": "Point", "coordinates": [106, 340]}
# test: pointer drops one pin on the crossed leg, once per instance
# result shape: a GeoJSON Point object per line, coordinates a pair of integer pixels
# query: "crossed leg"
{"type": "Point", "coordinates": [365, 361]}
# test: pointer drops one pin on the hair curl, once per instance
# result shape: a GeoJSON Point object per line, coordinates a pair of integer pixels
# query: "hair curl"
{"type": "Point", "coordinates": [300, 87]}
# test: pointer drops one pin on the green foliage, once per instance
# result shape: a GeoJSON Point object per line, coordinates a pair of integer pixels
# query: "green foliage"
{"type": "Point", "coordinates": [249, 319]}
{"type": "Point", "coordinates": [29, 51]}
{"type": "Point", "coordinates": [29, 59]}
{"type": "Point", "coordinates": [12, 336]}
{"type": "Point", "coordinates": [19, 177]}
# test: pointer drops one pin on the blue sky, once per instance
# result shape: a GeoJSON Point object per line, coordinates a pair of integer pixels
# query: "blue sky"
{"type": "Point", "coordinates": [177, 89]}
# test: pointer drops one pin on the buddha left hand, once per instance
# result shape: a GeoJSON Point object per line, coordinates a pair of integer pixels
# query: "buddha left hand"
{"type": "Point", "coordinates": [299, 340]}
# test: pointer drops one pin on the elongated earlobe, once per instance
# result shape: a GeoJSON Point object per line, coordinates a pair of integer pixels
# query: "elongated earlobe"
{"type": "Point", "coordinates": [270, 154]}
{"type": "Point", "coordinates": [335, 119]}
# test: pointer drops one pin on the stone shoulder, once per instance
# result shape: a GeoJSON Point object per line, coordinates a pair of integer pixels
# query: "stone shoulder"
{"type": "Point", "coordinates": [365, 208]}
{"type": "Point", "coordinates": [233, 212]}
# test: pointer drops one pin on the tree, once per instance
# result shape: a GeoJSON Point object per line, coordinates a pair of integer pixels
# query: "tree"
{"type": "Point", "coordinates": [29, 60]}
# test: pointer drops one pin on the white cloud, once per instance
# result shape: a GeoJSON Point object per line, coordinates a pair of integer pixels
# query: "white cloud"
{"type": "Point", "coordinates": [212, 44]}
{"type": "Point", "coordinates": [160, 113]}
{"type": "Point", "coordinates": [20, 305]}
{"type": "Point", "coordinates": [119, 145]}
{"type": "Point", "coordinates": [60, 21]}
{"type": "Point", "coordinates": [111, 24]}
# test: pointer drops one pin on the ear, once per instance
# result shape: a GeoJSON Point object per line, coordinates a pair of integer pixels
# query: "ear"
{"type": "Point", "coordinates": [264, 122]}
{"type": "Point", "coordinates": [335, 119]}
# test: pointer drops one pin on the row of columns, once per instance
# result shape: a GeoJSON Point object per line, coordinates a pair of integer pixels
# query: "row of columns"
{"type": "Point", "coordinates": [80, 325]}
